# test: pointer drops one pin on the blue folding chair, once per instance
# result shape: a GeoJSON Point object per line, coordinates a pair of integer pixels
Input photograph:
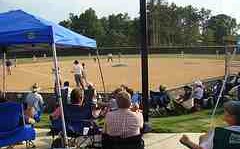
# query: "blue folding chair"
{"type": "Point", "coordinates": [76, 119]}
{"type": "Point", "coordinates": [12, 129]}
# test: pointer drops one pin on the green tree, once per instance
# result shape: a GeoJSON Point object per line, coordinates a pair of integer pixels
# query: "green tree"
{"type": "Point", "coordinates": [221, 25]}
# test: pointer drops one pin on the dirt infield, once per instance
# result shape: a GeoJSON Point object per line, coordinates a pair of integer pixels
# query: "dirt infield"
{"type": "Point", "coordinates": [168, 71]}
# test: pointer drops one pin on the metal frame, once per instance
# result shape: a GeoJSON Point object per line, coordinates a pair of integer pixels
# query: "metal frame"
{"type": "Point", "coordinates": [59, 96]}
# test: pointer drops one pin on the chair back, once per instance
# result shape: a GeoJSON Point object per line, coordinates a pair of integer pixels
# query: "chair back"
{"type": "Point", "coordinates": [10, 116]}
{"type": "Point", "coordinates": [226, 139]}
{"type": "Point", "coordinates": [110, 142]}
{"type": "Point", "coordinates": [77, 117]}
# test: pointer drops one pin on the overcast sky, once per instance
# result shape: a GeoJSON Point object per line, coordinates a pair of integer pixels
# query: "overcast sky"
{"type": "Point", "coordinates": [57, 10]}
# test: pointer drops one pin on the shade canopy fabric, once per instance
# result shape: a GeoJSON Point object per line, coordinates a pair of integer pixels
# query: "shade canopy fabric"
{"type": "Point", "coordinates": [19, 27]}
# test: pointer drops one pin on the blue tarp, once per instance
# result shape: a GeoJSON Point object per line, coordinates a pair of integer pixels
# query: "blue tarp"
{"type": "Point", "coordinates": [19, 27]}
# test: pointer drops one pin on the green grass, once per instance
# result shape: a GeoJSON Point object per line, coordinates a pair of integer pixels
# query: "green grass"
{"type": "Point", "coordinates": [44, 123]}
{"type": "Point", "coordinates": [197, 122]}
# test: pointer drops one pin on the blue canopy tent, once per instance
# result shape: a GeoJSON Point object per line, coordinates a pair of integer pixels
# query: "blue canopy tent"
{"type": "Point", "coordinates": [19, 27]}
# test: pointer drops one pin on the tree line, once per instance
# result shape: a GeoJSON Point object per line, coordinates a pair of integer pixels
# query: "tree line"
{"type": "Point", "coordinates": [168, 25]}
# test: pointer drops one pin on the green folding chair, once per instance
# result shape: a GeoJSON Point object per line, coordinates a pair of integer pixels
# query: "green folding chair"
{"type": "Point", "coordinates": [226, 139]}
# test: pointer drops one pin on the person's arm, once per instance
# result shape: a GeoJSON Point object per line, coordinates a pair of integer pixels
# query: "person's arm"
{"type": "Point", "coordinates": [41, 103]}
{"type": "Point", "coordinates": [188, 143]}
{"type": "Point", "coordinates": [56, 114]}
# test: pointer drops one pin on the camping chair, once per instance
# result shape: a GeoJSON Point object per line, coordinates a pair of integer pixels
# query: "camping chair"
{"type": "Point", "coordinates": [11, 130]}
{"type": "Point", "coordinates": [159, 102]}
{"type": "Point", "coordinates": [226, 139]}
{"type": "Point", "coordinates": [110, 142]}
{"type": "Point", "coordinates": [80, 125]}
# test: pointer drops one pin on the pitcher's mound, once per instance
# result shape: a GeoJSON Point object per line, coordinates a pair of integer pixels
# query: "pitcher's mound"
{"type": "Point", "coordinates": [119, 65]}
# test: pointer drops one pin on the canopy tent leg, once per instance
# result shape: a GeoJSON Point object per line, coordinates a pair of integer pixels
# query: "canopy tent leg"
{"type": "Point", "coordinates": [4, 72]}
{"type": "Point", "coordinates": [59, 96]}
{"type": "Point", "coordinates": [100, 69]}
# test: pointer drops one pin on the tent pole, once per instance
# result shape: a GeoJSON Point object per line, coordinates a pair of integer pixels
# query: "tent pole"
{"type": "Point", "coordinates": [100, 69]}
{"type": "Point", "coordinates": [4, 71]}
{"type": "Point", "coordinates": [59, 96]}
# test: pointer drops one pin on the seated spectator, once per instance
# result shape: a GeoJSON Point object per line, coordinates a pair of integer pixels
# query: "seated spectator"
{"type": "Point", "coordinates": [29, 114]}
{"type": "Point", "coordinates": [90, 94]}
{"type": "Point", "coordinates": [235, 92]}
{"type": "Point", "coordinates": [123, 122]}
{"type": "Point", "coordinates": [2, 98]}
{"type": "Point", "coordinates": [135, 97]}
{"type": "Point", "coordinates": [66, 93]}
{"type": "Point", "coordinates": [198, 91]}
{"type": "Point", "coordinates": [113, 101]}
{"type": "Point", "coordinates": [216, 89]}
{"type": "Point", "coordinates": [186, 100]}
{"type": "Point", "coordinates": [161, 98]}
{"type": "Point", "coordinates": [35, 100]}
{"type": "Point", "coordinates": [77, 98]}
{"type": "Point", "coordinates": [231, 117]}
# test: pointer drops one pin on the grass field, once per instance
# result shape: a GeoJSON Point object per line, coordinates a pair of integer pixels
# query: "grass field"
{"type": "Point", "coordinates": [163, 69]}
{"type": "Point", "coordinates": [197, 122]}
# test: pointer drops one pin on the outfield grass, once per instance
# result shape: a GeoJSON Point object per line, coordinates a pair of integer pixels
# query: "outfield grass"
{"type": "Point", "coordinates": [196, 123]}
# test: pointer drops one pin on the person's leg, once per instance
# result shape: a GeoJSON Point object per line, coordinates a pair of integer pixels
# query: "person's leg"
{"type": "Point", "coordinates": [77, 80]}
{"type": "Point", "coordinates": [81, 81]}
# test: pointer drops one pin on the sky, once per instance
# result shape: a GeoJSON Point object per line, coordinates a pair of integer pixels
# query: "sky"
{"type": "Point", "coordinates": [57, 10]}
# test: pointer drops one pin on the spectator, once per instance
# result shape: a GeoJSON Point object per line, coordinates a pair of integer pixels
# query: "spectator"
{"type": "Point", "coordinates": [186, 100]}
{"type": "Point", "coordinates": [113, 101]}
{"type": "Point", "coordinates": [55, 80]}
{"type": "Point", "coordinates": [198, 95]}
{"type": "Point", "coordinates": [66, 93]}
{"type": "Point", "coordinates": [84, 73]}
{"type": "Point", "coordinates": [34, 100]}
{"type": "Point", "coordinates": [28, 114]}
{"type": "Point", "coordinates": [216, 91]}
{"type": "Point", "coordinates": [123, 122]}
{"type": "Point", "coordinates": [90, 94]}
{"type": "Point", "coordinates": [235, 92]}
{"type": "Point", "coordinates": [2, 98]}
{"type": "Point", "coordinates": [231, 117]}
{"type": "Point", "coordinates": [77, 98]}
{"type": "Point", "coordinates": [160, 99]}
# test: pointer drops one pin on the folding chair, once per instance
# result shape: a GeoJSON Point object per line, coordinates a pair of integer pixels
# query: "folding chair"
{"type": "Point", "coordinates": [11, 130]}
{"type": "Point", "coordinates": [226, 139]}
{"type": "Point", "coordinates": [159, 102]}
{"type": "Point", "coordinates": [78, 119]}
{"type": "Point", "coordinates": [116, 142]}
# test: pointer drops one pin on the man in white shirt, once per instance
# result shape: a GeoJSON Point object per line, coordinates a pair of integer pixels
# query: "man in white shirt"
{"type": "Point", "coordinates": [77, 70]}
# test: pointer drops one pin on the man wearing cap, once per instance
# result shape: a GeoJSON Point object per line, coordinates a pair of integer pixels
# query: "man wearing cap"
{"type": "Point", "coordinates": [198, 94]}
{"type": "Point", "coordinates": [34, 100]}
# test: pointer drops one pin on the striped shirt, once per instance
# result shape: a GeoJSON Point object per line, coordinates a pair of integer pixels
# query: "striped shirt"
{"type": "Point", "coordinates": [123, 123]}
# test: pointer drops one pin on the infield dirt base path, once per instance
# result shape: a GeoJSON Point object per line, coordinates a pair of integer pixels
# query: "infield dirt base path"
{"type": "Point", "coordinates": [168, 71]}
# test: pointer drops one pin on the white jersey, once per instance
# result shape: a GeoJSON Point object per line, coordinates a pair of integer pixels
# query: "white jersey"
{"type": "Point", "coordinates": [77, 69]}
